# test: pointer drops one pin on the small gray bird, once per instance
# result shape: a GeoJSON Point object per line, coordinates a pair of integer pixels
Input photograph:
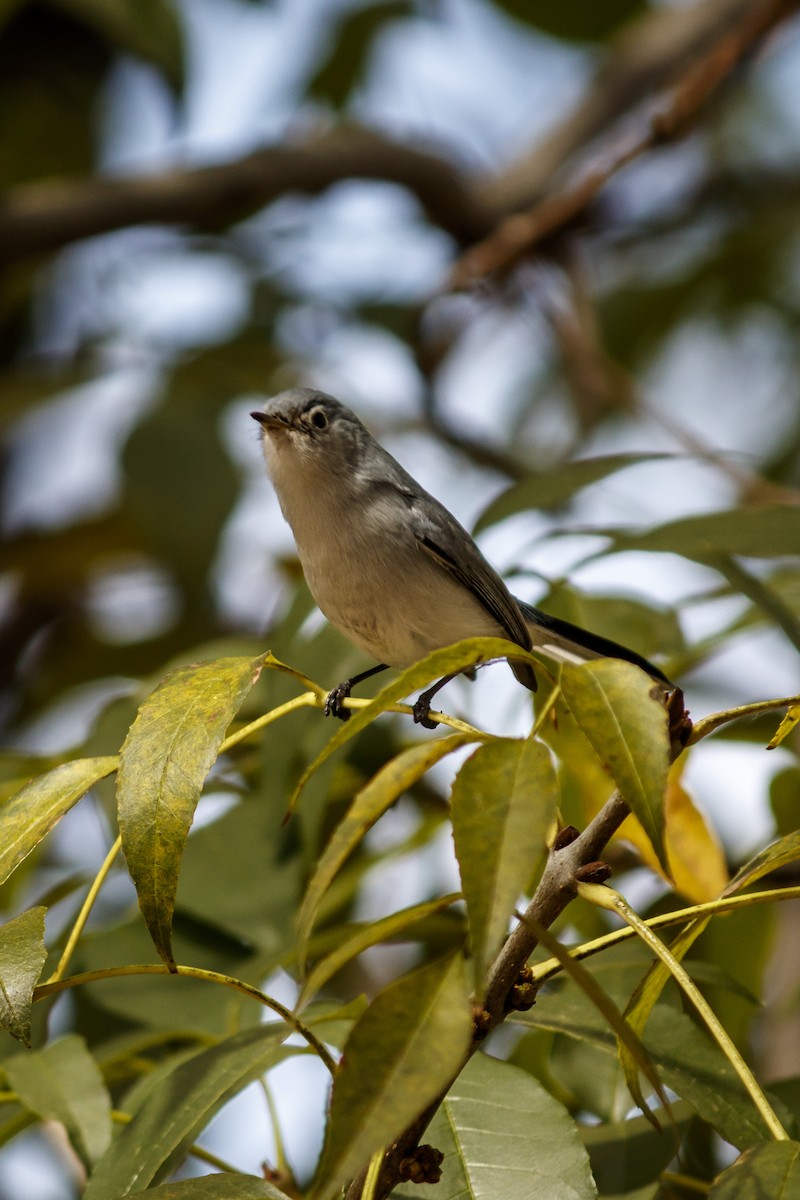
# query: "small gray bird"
{"type": "Point", "coordinates": [387, 563]}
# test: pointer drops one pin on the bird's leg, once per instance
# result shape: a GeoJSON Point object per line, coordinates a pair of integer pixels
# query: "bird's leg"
{"type": "Point", "coordinates": [334, 701]}
{"type": "Point", "coordinates": [422, 706]}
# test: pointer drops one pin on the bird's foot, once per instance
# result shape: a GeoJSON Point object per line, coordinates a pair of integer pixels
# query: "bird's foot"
{"type": "Point", "coordinates": [422, 710]}
{"type": "Point", "coordinates": [334, 701]}
{"type": "Point", "coordinates": [680, 723]}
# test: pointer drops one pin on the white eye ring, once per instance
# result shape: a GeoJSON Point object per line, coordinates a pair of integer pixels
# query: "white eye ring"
{"type": "Point", "coordinates": [318, 419]}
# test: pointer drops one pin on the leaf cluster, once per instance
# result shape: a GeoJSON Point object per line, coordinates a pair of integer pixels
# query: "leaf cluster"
{"type": "Point", "coordinates": [156, 960]}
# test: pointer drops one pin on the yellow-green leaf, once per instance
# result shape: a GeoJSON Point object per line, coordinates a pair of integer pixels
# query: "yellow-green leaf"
{"type": "Point", "coordinates": [503, 803]}
{"type": "Point", "coordinates": [388, 928]}
{"type": "Point", "coordinates": [612, 702]}
{"type": "Point", "coordinates": [790, 720]}
{"type": "Point", "coordinates": [164, 761]}
{"type": "Point", "coordinates": [370, 803]}
{"type": "Point", "coordinates": [458, 657]}
{"type": "Point", "coordinates": [404, 1051]}
{"type": "Point", "coordinates": [32, 812]}
{"type": "Point", "coordinates": [213, 1187]}
{"type": "Point", "coordinates": [504, 1137]}
{"type": "Point", "coordinates": [771, 1171]}
{"type": "Point", "coordinates": [697, 864]}
{"type": "Point", "coordinates": [22, 956]}
{"type": "Point", "coordinates": [785, 850]}
{"type": "Point", "coordinates": [62, 1082]}
{"type": "Point", "coordinates": [172, 1114]}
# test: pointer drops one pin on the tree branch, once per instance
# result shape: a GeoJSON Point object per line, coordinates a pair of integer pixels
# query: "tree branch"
{"type": "Point", "coordinates": [518, 235]}
{"type": "Point", "coordinates": [566, 865]}
{"type": "Point", "coordinates": [41, 217]}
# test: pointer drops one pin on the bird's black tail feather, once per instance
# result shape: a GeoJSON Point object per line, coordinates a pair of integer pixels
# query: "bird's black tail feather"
{"type": "Point", "coordinates": [582, 639]}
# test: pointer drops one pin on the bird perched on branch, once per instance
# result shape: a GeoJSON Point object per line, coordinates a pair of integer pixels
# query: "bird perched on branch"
{"type": "Point", "coordinates": [387, 563]}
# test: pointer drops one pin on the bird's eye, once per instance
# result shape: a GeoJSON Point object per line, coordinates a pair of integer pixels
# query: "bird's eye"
{"type": "Point", "coordinates": [318, 419]}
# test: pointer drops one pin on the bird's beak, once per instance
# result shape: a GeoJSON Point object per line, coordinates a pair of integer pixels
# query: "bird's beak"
{"type": "Point", "coordinates": [270, 422]}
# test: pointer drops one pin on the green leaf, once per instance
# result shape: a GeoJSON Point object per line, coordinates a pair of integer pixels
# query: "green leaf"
{"type": "Point", "coordinates": [450, 659]}
{"type": "Point", "coordinates": [160, 461]}
{"type": "Point", "coordinates": [580, 20]}
{"type": "Point", "coordinates": [369, 804]}
{"type": "Point", "coordinates": [627, 728]}
{"type": "Point", "coordinates": [42, 60]}
{"type": "Point", "coordinates": [789, 722]}
{"type": "Point", "coordinates": [631, 1049]}
{"type": "Point", "coordinates": [769, 1171]}
{"type": "Point", "coordinates": [779, 854]}
{"type": "Point", "coordinates": [32, 812]}
{"type": "Point", "coordinates": [22, 956]}
{"type": "Point", "coordinates": [504, 800]}
{"type": "Point", "coordinates": [648, 992]}
{"type": "Point", "coordinates": [551, 489]}
{"type": "Point", "coordinates": [784, 789]}
{"type": "Point", "coordinates": [212, 1187]}
{"type": "Point", "coordinates": [7, 8]}
{"type": "Point", "coordinates": [688, 1062]}
{"type": "Point", "coordinates": [504, 1137]}
{"type": "Point", "coordinates": [631, 1154]}
{"type": "Point", "coordinates": [405, 1050]}
{"type": "Point", "coordinates": [169, 750]}
{"type": "Point", "coordinates": [62, 1082]}
{"type": "Point", "coordinates": [391, 928]}
{"type": "Point", "coordinates": [147, 28]}
{"type": "Point", "coordinates": [173, 1114]}
{"type": "Point", "coordinates": [766, 532]}
{"type": "Point", "coordinates": [343, 68]}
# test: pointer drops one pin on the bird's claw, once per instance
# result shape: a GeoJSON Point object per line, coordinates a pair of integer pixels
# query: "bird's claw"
{"type": "Point", "coordinates": [334, 701]}
{"type": "Point", "coordinates": [422, 712]}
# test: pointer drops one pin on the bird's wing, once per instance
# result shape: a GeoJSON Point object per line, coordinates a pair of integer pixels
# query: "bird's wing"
{"type": "Point", "coordinates": [434, 528]}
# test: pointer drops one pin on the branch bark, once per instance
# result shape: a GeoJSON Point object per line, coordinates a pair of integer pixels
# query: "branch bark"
{"type": "Point", "coordinates": [557, 887]}
{"type": "Point", "coordinates": [41, 217]}
{"type": "Point", "coordinates": [521, 233]}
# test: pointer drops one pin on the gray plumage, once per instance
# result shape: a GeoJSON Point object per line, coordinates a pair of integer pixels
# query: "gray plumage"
{"type": "Point", "coordinates": [387, 564]}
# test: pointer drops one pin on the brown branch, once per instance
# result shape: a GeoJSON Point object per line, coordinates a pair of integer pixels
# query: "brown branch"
{"type": "Point", "coordinates": [518, 235]}
{"type": "Point", "coordinates": [41, 217]}
{"type": "Point", "coordinates": [557, 887]}
{"type": "Point", "coordinates": [648, 54]}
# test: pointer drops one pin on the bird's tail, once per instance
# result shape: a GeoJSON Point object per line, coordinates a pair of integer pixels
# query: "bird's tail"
{"type": "Point", "coordinates": [566, 642]}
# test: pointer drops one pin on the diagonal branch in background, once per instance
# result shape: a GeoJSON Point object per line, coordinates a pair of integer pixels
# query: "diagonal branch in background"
{"type": "Point", "coordinates": [42, 217]}
{"type": "Point", "coordinates": [519, 235]}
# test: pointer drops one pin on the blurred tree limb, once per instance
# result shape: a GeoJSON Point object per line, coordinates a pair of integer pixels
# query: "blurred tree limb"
{"type": "Point", "coordinates": [712, 38]}
{"type": "Point", "coordinates": [519, 234]}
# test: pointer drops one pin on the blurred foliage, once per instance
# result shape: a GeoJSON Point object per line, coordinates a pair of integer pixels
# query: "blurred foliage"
{"type": "Point", "coordinates": [653, 340]}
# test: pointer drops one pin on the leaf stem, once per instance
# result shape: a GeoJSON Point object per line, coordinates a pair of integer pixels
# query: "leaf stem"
{"type": "Point", "coordinates": [687, 1182]}
{"type": "Point", "coordinates": [306, 700]}
{"type": "Point", "coordinates": [83, 915]}
{"type": "Point", "coordinates": [286, 1014]}
{"type": "Point", "coordinates": [605, 897]}
{"type": "Point", "coordinates": [545, 710]}
{"type": "Point", "coordinates": [373, 1175]}
{"type": "Point", "coordinates": [714, 721]}
{"type": "Point", "coordinates": [542, 971]}
{"type": "Point", "coordinates": [316, 699]}
{"type": "Point", "coordinates": [281, 1162]}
